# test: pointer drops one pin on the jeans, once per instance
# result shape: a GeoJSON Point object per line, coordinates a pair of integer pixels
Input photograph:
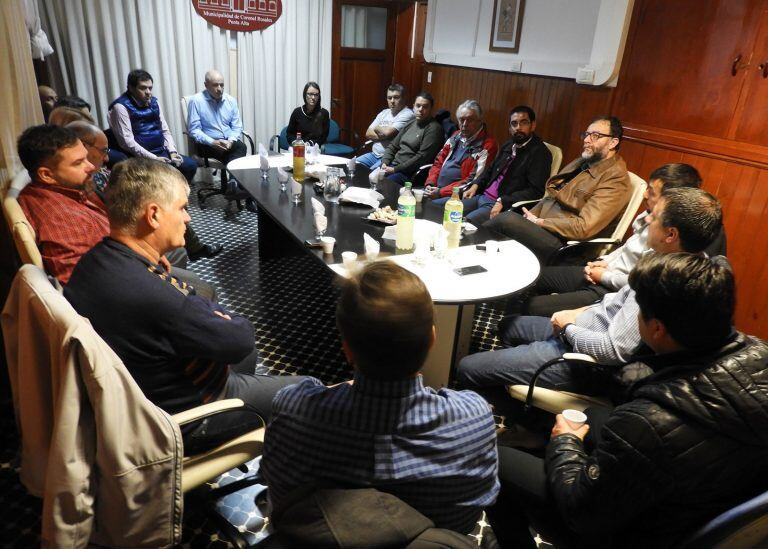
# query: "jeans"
{"type": "Point", "coordinates": [369, 160]}
{"type": "Point", "coordinates": [477, 209]}
{"type": "Point", "coordinates": [399, 177]}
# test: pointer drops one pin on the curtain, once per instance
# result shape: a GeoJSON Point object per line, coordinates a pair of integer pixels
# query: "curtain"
{"type": "Point", "coordinates": [97, 42]}
{"type": "Point", "coordinates": [274, 65]}
{"type": "Point", "coordinates": [19, 101]}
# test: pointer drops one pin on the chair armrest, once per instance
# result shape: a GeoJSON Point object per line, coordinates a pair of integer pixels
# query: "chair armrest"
{"type": "Point", "coordinates": [212, 408]}
{"type": "Point", "coordinates": [520, 203]}
{"type": "Point", "coordinates": [593, 241]}
{"type": "Point", "coordinates": [579, 356]}
{"type": "Point", "coordinates": [250, 141]}
{"type": "Point", "coordinates": [606, 243]}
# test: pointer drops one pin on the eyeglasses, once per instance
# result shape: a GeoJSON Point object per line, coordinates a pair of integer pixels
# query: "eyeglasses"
{"type": "Point", "coordinates": [519, 123]}
{"type": "Point", "coordinates": [104, 150]}
{"type": "Point", "coordinates": [313, 94]}
{"type": "Point", "coordinates": [593, 136]}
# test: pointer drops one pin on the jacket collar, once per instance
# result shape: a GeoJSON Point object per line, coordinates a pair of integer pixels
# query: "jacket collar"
{"type": "Point", "coordinates": [387, 388]}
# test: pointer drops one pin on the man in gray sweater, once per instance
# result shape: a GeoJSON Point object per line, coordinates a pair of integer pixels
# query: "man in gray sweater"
{"type": "Point", "coordinates": [417, 144]}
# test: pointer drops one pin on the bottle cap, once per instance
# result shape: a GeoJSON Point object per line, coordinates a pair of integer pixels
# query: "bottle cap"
{"type": "Point", "coordinates": [408, 184]}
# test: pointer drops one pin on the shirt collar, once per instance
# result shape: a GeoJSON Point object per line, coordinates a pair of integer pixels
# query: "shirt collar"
{"type": "Point", "coordinates": [209, 98]}
{"type": "Point", "coordinates": [387, 388]}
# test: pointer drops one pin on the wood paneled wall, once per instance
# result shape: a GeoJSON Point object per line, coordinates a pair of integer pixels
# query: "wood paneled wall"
{"type": "Point", "coordinates": [564, 109]}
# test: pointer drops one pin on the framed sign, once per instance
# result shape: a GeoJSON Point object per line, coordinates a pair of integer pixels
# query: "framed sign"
{"type": "Point", "coordinates": [505, 29]}
{"type": "Point", "coordinates": [239, 15]}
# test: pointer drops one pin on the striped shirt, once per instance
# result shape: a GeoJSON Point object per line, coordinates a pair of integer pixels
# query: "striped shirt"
{"type": "Point", "coordinates": [435, 450]}
{"type": "Point", "coordinates": [608, 331]}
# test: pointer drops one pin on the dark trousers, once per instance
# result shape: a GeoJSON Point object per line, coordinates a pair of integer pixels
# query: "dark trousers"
{"type": "Point", "coordinates": [525, 500]}
{"type": "Point", "coordinates": [238, 150]}
{"type": "Point", "coordinates": [257, 392]}
{"type": "Point", "coordinates": [540, 241]}
{"type": "Point", "coordinates": [188, 166]}
{"type": "Point", "coordinates": [571, 291]}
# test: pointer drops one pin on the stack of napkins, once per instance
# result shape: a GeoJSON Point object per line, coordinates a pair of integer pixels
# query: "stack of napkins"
{"type": "Point", "coordinates": [321, 222]}
{"type": "Point", "coordinates": [359, 195]}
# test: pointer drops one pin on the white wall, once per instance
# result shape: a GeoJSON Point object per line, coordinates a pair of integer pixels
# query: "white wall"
{"type": "Point", "coordinates": [557, 37]}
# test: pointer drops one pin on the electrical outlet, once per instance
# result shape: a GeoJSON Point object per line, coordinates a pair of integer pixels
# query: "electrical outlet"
{"type": "Point", "coordinates": [429, 77]}
{"type": "Point", "coordinates": [517, 66]}
{"type": "Point", "coordinates": [585, 76]}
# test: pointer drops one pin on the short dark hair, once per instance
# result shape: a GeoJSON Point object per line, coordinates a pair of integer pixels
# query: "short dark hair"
{"type": "Point", "coordinates": [695, 214]}
{"type": "Point", "coordinates": [676, 175]}
{"type": "Point", "coordinates": [427, 96]}
{"type": "Point", "coordinates": [617, 130]}
{"type": "Point", "coordinates": [692, 295]}
{"type": "Point", "coordinates": [38, 144]}
{"type": "Point", "coordinates": [73, 101]}
{"type": "Point", "coordinates": [385, 316]}
{"type": "Point", "coordinates": [526, 109]}
{"type": "Point", "coordinates": [138, 75]}
{"type": "Point", "coordinates": [397, 88]}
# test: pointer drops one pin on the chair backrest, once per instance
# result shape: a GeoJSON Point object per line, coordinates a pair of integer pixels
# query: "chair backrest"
{"type": "Point", "coordinates": [282, 141]}
{"type": "Point", "coordinates": [744, 526]}
{"type": "Point", "coordinates": [18, 225]}
{"type": "Point", "coordinates": [191, 146]}
{"type": "Point", "coordinates": [638, 188]}
{"type": "Point", "coordinates": [333, 132]}
{"type": "Point", "coordinates": [557, 158]}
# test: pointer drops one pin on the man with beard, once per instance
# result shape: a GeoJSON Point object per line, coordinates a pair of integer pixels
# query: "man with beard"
{"type": "Point", "coordinates": [583, 201]}
{"type": "Point", "coordinates": [518, 173]}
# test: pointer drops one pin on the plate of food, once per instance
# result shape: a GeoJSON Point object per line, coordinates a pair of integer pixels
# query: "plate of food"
{"type": "Point", "coordinates": [383, 216]}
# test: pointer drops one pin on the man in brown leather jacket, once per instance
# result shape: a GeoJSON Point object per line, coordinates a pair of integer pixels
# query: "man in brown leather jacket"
{"type": "Point", "coordinates": [583, 201]}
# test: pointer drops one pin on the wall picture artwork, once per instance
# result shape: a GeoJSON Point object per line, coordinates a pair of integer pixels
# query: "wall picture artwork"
{"type": "Point", "coordinates": [507, 21]}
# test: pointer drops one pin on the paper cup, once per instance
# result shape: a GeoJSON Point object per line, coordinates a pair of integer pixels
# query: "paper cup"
{"type": "Point", "coordinates": [371, 256]}
{"type": "Point", "coordinates": [327, 242]}
{"type": "Point", "coordinates": [574, 418]}
{"type": "Point", "coordinates": [491, 247]}
{"type": "Point", "coordinates": [419, 194]}
{"type": "Point", "coordinates": [348, 258]}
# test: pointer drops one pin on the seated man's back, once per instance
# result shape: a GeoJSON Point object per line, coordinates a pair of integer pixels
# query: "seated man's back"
{"type": "Point", "coordinates": [435, 450]}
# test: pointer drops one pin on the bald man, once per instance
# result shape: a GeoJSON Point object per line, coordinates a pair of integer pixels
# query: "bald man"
{"type": "Point", "coordinates": [213, 121]}
{"type": "Point", "coordinates": [48, 98]}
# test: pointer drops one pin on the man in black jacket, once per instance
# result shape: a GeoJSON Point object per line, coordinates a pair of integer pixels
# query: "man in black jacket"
{"type": "Point", "coordinates": [683, 448]}
{"type": "Point", "coordinates": [519, 172]}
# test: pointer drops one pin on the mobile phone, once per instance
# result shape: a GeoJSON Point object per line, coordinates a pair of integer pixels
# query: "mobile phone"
{"type": "Point", "coordinates": [472, 269]}
{"type": "Point", "coordinates": [480, 247]}
{"type": "Point", "coordinates": [313, 243]}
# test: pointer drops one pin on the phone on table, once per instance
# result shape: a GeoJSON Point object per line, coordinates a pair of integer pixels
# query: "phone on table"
{"type": "Point", "coordinates": [313, 243]}
{"type": "Point", "coordinates": [472, 269]}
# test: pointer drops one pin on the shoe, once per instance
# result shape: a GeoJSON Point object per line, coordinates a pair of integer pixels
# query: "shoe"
{"type": "Point", "coordinates": [250, 205]}
{"type": "Point", "coordinates": [206, 250]}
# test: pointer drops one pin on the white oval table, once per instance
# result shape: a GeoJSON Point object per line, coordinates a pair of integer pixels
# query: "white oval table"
{"type": "Point", "coordinates": [511, 269]}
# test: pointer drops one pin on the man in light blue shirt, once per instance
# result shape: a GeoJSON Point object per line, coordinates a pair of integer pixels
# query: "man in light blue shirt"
{"type": "Point", "coordinates": [386, 126]}
{"type": "Point", "coordinates": [213, 121]}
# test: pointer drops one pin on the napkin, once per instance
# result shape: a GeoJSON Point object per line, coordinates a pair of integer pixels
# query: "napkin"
{"type": "Point", "coordinates": [351, 164]}
{"type": "Point", "coordinates": [282, 175]}
{"type": "Point", "coordinates": [321, 222]}
{"type": "Point", "coordinates": [317, 206]}
{"type": "Point", "coordinates": [371, 245]}
{"type": "Point", "coordinates": [359, 195]}
{"type": "Point", "coordinates": [262, 150]}
{"type": "Point", "coordinates": [295, 186]}
{"type": "Point", "coordinates": [263, 162]}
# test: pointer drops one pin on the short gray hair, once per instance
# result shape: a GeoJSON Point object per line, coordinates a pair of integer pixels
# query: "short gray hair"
{"type": "Point", "coordinates": [136, 182]}
{"type": "Point", "coordinates": [85, 131]}
{"type": "Point", "coordinates": [473, 105]}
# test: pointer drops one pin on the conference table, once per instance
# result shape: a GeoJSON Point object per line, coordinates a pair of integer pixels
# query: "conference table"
{"type": "Point", "coordinates": [285, 229]}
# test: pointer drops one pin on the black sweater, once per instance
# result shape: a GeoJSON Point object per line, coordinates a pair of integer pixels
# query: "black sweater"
{"type": "Point", "coordinates": [313, 126]}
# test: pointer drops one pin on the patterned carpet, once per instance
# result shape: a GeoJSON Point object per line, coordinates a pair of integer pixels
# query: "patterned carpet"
{"type": "Point", "coordinates": [291, 303]}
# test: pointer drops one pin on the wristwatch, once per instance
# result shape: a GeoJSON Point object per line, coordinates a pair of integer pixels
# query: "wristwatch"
{"type": "Point", "coordinates": [498, 200]}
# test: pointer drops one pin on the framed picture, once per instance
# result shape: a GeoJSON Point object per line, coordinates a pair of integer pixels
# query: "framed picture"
{"type": "Point", "coordinates": [505, 29]}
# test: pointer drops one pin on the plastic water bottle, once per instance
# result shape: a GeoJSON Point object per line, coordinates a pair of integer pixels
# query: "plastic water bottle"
{"type": "Point", "coordinates": [406, 213]}
{"type": "Point", "coordinates": [454, 210]}
{"type": "Point", "coordinates": [298, 158]}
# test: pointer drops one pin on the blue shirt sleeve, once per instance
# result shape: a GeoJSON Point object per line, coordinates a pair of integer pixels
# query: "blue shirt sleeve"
{"type": "Point", "coordinates": [235, 124]}
{"type": "Point", "coordinates": [194, 125]}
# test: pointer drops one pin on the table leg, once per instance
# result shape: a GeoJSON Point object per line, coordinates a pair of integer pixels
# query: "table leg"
{"type": "Point", "coordinates": [454, 332]}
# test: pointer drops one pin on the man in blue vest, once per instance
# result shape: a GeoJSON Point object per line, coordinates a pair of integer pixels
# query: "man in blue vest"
{"type": "Point", "coordinates": [140, 129]}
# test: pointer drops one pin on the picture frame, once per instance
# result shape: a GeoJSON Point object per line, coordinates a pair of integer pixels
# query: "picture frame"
{"type": "Point", "coordinates": [506, 25]}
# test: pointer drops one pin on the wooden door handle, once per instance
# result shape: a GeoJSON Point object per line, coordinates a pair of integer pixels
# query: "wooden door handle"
{"type": "Point", "coordinates": [763, 68]}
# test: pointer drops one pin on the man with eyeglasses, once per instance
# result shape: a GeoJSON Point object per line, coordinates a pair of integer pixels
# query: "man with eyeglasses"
{"type": "Point", "coordinates": [583, 201]}
{"type": "Point", "coordinates": [386, 126]}
{"type": "Point", "coordinates": [519, 172]}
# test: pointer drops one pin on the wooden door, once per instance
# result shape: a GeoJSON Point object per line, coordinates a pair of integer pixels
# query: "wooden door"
{"type": "Point", "coordinates": [689, 65]}
{"type": "Point", "coordinates": [362, 61]}
{"type": "Point", "coordinates": [752, 114]}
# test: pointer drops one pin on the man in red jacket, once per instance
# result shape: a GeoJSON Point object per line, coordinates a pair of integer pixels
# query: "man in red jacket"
{"type": "Point", "coordinates": [465, 155]}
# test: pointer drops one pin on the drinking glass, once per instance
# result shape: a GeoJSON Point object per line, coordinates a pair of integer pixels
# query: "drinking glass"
{"type": "Point", "coordinates": [332, 188]}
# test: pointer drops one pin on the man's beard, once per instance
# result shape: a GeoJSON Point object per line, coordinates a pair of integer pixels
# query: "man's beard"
{"type": "Point", "coordinates": [519, 138]}
{"type": "Point", "coordinates": [596, 156]}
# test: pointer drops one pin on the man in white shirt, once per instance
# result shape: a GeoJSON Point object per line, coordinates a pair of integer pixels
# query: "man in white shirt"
{"type": "Point", "coordinates": [386, 126]}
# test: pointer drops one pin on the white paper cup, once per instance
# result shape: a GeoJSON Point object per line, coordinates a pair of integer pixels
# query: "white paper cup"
{"type": "Point", "coordinates": [327, 242]}
{"type": "Point", "coordinates": [419, 194]}
{"type": "Point", "coordinates": [348, 258]}
{"type": "Point", "coordinates": [574, 418]}
{"type": "Point", "coordinates": [371, 256]}
{"type": "Point", "coordinates": [491, 247]}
